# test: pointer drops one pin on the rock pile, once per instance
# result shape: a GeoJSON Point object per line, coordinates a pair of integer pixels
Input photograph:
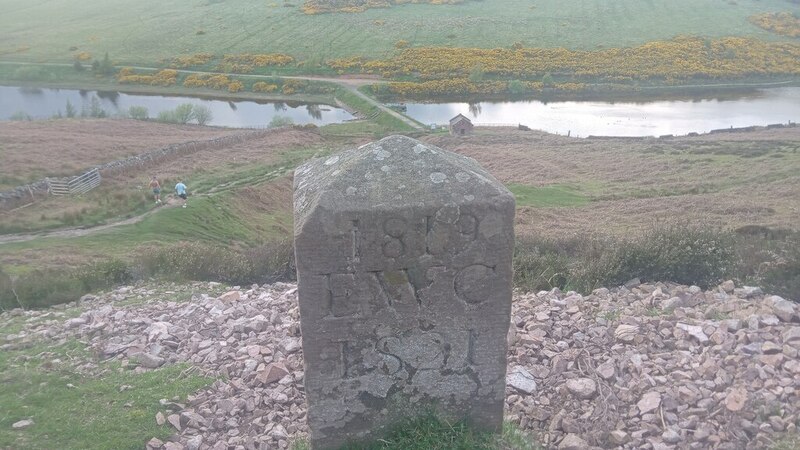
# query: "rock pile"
{"type": "Point", "coordinates": [653, 366]}
{"type": "Point", "coordinates": [658, 366]}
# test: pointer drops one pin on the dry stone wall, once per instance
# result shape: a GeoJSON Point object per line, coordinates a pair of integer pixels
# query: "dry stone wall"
{"type": "Point", "coordinates": [32, 192]}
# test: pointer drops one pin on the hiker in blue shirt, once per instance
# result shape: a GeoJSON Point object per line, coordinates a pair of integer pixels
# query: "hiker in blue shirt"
{"type": "Point", "coordinates": [180, 189]}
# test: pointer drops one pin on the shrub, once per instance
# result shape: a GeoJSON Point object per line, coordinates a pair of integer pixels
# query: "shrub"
{"type": "Point", "coordinates": [202, 114]}
{"type": "Point", "coordinates": [202, 262]}
{"type": "Point", "coordinates": [679, 253]}
{"type": "Point", "coordinates": [166, 116]}
{"type": "Point", "coordinates": [31, 73]}
{"type": "Point", "coordinates": [138, 113]}
{"type": "Point", "coordinates": [280, 121]}
{"type": "Point", "coordinates": [771, 259]}
{"type": "Point", "coordinates": [538, 265]}
{"type": "Point", "coordinates": [198, 59]}
{"type": "Point", "coordinates": [235, 86]}
{"type": "Point", "coordinates": [181, 262]}
{"type": "Point", "coordinates": [261, 86]}
{"type": "Point", "coordinates": [783, 23]}
{"type": "Point", "coordinates": [20, 116]}
{"type": "Point", "coordinates": [183, 113]}
{"type": "Point", "coordinates": [70, 110]}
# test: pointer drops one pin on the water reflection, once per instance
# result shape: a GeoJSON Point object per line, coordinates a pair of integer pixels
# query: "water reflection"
{"type": "Point", "coordinates": [475, 109]}
{"type": "Point", "coordinates": [314, 111]}
{"type": "Point", "coordinates": [653, 118]}
{"type": "Point", "coordinates": [46, 103]}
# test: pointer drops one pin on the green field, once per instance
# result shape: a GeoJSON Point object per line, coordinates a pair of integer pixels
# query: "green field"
{"type": "Point", "coordinates": [147, 31]}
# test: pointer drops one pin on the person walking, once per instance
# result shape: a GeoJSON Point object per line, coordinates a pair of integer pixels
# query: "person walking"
{"type": "Point", "coordinates": [156, 187]}
{"type": "Point", "coordinates": [180, 189]}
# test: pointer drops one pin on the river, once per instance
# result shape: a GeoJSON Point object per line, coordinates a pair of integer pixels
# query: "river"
{"type": "Point", "coordinates": [576, 118]}
{"type": "Point", "coordinates": [43, 103]}
{"type": "Point", "coordinates": [624, 118]}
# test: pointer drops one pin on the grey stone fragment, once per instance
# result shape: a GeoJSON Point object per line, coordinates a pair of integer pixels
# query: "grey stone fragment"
{"type": "Point", "coordinates": [519, 378]}
{"type": "Point", "coordinates": [694, 331]}
{"type": "Point", "coordinates": [626, 333]}
{"type": "Point", "coordinates": [19, 425]}
{"type": "Point", "coordinates": [618, 437]}
{"type": "Point", "coordinates": [784, 309]}
{"type": "Point", "coordinates": [583, 388]}
{"type": "Point", "coordinates": [148, 360]}
{"type": "Point", "coordinates": [154, 443]}
{"type": "Point", "coordinates": [791, 334]}
{"type": "Point", "coordinates": [671, 436]}
{"type": "Point", "coordinates": [573, 442]}
{"type": "Point", "coordinates": [649, 402]}
{"type": "Point", "coordinates": [194, 442]}
{"type": "Point", "coordinates": [403, 257]}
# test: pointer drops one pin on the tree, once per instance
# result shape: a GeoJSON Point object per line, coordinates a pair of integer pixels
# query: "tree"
{"type": "Point", "coordinates": [202, 114]}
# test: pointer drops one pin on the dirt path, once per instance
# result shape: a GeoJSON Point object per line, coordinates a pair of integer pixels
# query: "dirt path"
{"type": "Point", "coordinates": [78, 232]}
{"type": "Point", "coordinates": [352, 84]}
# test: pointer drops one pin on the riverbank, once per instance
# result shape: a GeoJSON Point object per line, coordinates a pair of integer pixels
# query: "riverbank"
{"type": "Point", "coordinates": [64, 76]}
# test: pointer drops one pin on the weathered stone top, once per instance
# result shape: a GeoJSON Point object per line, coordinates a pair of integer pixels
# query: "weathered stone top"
{"type": "Point", "coordinates": [396, 171]}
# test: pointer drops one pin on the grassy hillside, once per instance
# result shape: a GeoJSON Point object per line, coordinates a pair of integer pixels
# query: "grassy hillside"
{"type": "Point", "coordinates": [146, 31]}
{"type": "Point", "coordinates": [568, 190]}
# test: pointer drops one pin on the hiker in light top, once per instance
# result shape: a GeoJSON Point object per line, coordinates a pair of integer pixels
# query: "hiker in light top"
{"type": "Point", "coordinates": [180, 189]}
{"type": "Point", "coordinates": [156, 187]}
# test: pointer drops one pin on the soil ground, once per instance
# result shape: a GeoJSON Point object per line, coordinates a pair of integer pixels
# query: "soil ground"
{"type": "Point", "coordinates": [728, 180]}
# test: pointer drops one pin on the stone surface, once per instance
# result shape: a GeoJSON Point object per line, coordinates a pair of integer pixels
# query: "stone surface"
{"type": "Point", "coordinates": [403, 257]}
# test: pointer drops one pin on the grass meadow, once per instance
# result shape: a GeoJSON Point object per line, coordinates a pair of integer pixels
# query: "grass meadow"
{"type": "Point", "coordinates": [148, 31]}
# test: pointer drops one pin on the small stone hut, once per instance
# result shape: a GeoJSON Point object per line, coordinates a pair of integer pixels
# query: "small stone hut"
{"type": "Point", "coordinates": [460, 125]}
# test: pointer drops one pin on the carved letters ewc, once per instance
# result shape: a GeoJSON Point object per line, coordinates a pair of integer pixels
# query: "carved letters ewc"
{"type": "Point", "coordinates": [404, 269]}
